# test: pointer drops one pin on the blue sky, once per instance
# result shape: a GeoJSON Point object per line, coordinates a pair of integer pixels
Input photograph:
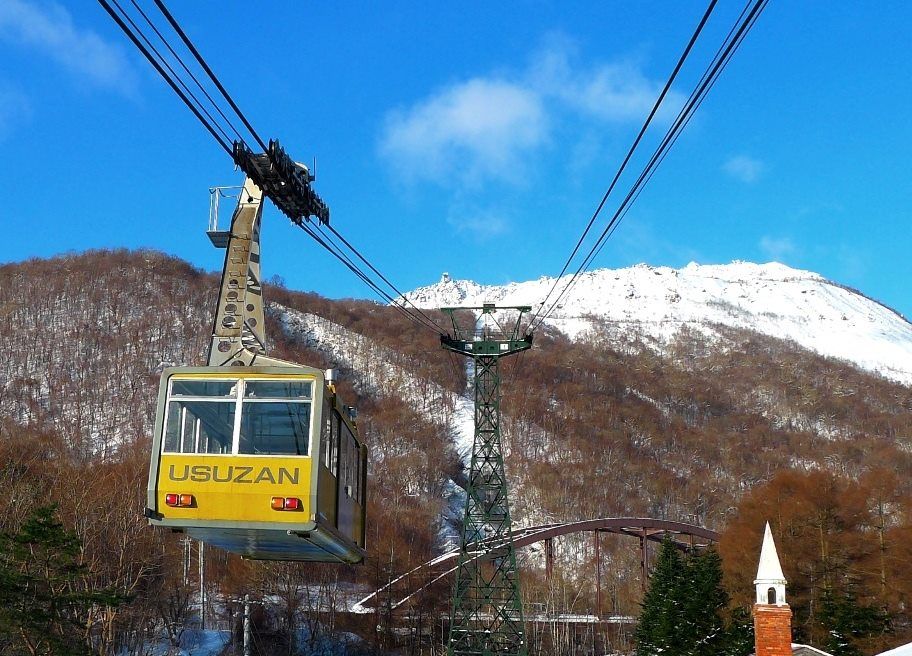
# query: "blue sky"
{"type": "Point", "coordinates": [474, 138]}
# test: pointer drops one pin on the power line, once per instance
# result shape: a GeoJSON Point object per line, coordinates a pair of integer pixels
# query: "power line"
{"type": "Point", "coordinates": [126, 30]}
{"type": "Point", "coordinates": [382, 277]}
{"type": "Point", "coordinates": [171, 76]}
{"type": "Point", "coordinates": [187, 69]}
{"type": "Point", "coordinates": [633, 147]}
{"type": "Point", "coordinates": [162, 59]}
{"type": "Point", "coordinates": [696, 98]}
{"type": "Point", "coordinates": [202, 62]}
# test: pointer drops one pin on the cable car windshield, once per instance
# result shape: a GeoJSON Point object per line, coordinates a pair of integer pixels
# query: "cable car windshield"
{"type": "Point", "coordinates": [259, 417]}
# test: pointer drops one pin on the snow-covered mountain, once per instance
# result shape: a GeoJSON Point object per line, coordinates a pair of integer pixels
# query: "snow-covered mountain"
{"type": "Point", "coordinates": [772, 299]}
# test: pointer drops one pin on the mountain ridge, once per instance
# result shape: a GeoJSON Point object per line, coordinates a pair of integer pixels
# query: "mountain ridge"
{"type": "Point", "coordinates": [607, 424]}
{"type": "Point", "coordinates": [825, 316]}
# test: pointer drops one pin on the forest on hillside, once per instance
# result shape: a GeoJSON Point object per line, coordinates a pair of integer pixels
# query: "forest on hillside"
{"type": "Point", "coordinates": [607, 425]}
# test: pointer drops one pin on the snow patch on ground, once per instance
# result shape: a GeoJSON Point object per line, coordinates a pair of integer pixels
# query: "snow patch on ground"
{"type": "Point", "coordinates": [193, 642]}
{"type": "Point", "coordinates": [904, 650]}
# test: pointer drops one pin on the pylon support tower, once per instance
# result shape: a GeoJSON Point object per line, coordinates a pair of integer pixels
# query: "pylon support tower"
{"type": "Point", "coordinates": [486, 618]}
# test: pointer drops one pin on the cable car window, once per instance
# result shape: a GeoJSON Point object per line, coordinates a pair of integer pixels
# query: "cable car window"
{"type": "Point", "coordinates": [199, 426]}
{"type": "Point", "coordinates": [326, 437]}
{"type": "Point", "coordinates": [348, 450]}
{"type": "Point", "coordinates": [226, 389]}
{"type": "Point", "coordinates": [334, 440]}
{"type": "Point", "coordinates": [278, 389]}
{"type": "Point", "coordinates": [275, 428]}
{"type": "Point", "coordinates": [201, 417]}
{"type": "Point", "coordinates": [358, 473]}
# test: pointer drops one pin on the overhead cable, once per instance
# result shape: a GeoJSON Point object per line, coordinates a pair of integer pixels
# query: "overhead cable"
{"type": "Point", "coordinates": [351, 266]}
{"type": "Point", "coordinates": [180, 61]}
{"type": "Point", "coordinates": [707, 81]}
{"type": "Point", "coordinates": [181, 88]}
{"type": "Point", "coordinates": [633, 147]}
{"type": "Point", "coordinates": [727, 55]}
{"type": "Point", "coordinates": [424, 319]}
{"type": "Point", "coordinates": [161, 71]}
{"type": "Point", "coordinates": [164, 62]}
{"type": "Point", "coordinates": [212, 76]}
{"type": "Point", "coordinates": [404, 298]}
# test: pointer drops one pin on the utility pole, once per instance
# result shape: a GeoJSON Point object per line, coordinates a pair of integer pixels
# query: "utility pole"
{"type": "Point", "coordinates": [486, 618]}
{"type": "Point", "coordinates": [202, 582]}
{"type": "Point", "coordinates": [246, 625]}
{"type": "Point", "coordinates": [186, 544]}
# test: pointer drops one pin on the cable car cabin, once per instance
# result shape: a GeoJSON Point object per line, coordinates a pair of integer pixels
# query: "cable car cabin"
{"type": "Point", "coordinates": [260, 461]}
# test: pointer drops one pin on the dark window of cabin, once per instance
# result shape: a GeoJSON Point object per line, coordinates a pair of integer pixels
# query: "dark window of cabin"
{"type": "Point", "coordinates": [275, 428]}
{"type": "Point", "coordinates": [334, 443]}
{"type": "Point", "coordinates": [326, 437]}
{"type": "Point", "coordinates": [356, 466]}
{"type": "Point", "coordinates": [350, 463]}
{"type": "Point", "coordinates": [200, 416]}
{"type": "Point", "coordinates": [275, 418]}
{"type": "Point", "coordinates": [297, 390]}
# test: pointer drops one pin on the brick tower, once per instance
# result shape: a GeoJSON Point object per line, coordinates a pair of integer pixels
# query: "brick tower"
{"type": "Point", "coordinates": [772, 616]}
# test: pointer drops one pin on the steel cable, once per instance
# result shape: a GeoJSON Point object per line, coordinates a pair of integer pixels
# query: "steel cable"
{"type": "Point", "coordinates": [212, 76]}
{"type": "Point", "coordinates": [137, 36]}
{"type": "Point", "coordinates": [180, 61]}
{"type": "Point", "coordinates": [633, 147]}
{"type": "Point", "coordinates": [696, 98]}
{"type": "Point", "coordinates": [382, 277]}
{"type": "Point", "coordinates": [161, 71]}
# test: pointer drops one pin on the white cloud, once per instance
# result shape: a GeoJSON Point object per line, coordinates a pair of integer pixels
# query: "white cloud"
{"type": "Point", "coordinates": [777, 248]}
{"type": "Point", "coordinates": [495, 127]}
{"type": "Point", "coordinates": [615, 91]}
{"type": "Point", "coordinates": [744, 168]}
{"type": "Point", "coordinates": [49, 28]}
{"type": "Point", "coordinates": [477, 129]}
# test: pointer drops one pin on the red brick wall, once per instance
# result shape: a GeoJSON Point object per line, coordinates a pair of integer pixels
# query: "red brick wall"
{"type": "Point", "coordinates": [773, 630]}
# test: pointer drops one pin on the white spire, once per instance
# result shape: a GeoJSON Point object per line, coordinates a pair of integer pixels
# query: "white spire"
{"type": "Point", "coordinates": [769, 573]}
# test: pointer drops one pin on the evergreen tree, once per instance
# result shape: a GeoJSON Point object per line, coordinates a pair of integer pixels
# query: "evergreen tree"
{"type": "Point", "coordinates": [684, 608]}
{"type": "Point", "coordinates": [42, 605]}
{"type": "Point", "coordinates": [704, 602]}
{"type": "Point", "coordinates": [740, 639]}
{"type": "Point", "coordinates": [658, 629]}
{"type": "Point", "coordinates": [847, 620]}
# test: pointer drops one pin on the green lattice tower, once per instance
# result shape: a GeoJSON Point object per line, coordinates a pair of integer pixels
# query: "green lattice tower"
{"type": "Point", "coordinates": [486, 617]}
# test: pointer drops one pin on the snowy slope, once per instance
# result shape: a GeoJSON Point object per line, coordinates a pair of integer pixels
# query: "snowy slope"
{"type": "Point", "coordinates": [772, 299]}
{"type": "Point", "coordinates": [905, 650]}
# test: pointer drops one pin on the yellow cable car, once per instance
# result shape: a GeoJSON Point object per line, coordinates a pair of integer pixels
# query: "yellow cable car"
{"type": "Point", "coordinates": [253, 454]}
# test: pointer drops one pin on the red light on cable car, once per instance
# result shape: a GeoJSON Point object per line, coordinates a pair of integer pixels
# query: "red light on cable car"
{"type": "Point", "coordinates": [179, 500]}
{"type": "Point", "coordinates": [285, 503]}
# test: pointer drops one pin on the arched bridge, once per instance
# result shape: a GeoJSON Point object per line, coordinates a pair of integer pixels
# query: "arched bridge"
{"type": "Point", "coordinates": [687, 536]}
